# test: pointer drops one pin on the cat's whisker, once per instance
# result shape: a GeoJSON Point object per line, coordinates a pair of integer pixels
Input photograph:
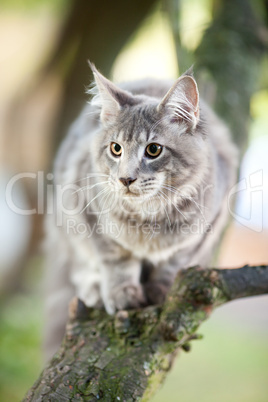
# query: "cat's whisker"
{"type": "Point", "coordinates": [160, 199]}
{"type": "Point", "coordinates": [199, 206]}
{"type": "Point", "coordinates": [87, 188]}
{"type": "Point", "coordinates": [104, 204]}
{"type": "Point", "coordinates": [153, 216]}
{"type": "Point", "coordinates": [194, 201]}
{"type": "Point", "coordinates": [175, 191]}
{"type": "Point", "coordinates": [90, 176]}
{"type": "Point", "coordinates": [204, 182]}
{"type": "Point", "coordinates": [150, 234]}
{"type": "Point", "coordinates": [93, 199]}
{"type": "Point", "coordinates": [170, 188]}
{"type": "Point", "coordinates": [188, 198]}
{"type": "Point", "coordinates": [201, 212]}
{"type": "Point", "coordinates": [177, 209]}
{"type": "Point", "coordinates": [191, 199]}
{"type": "Point", "coordinates": [91, 113]}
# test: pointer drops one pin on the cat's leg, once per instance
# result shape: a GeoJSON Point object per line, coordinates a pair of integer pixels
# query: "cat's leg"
{"type": "Point", "coordinates": [70, 271]}
{"type": "Point", "coordinates": [58, 293]}
{"type": "Point", "coordinates": [120, 286]}
{"type": "Point", "coordinates": [56, 313]}
{"type": "Point", "coordinates": [86, 279]}
{"type": "Point", "coordinates": [120, 282]}
{"type": "Point", "coordinates": [160, 280]}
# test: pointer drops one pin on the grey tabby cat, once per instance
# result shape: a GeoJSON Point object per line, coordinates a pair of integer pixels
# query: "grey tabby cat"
{"type": "Point", "coordinates": [143, 176]}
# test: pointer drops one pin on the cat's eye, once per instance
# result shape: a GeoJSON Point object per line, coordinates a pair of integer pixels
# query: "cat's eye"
{"type": "Point", "coordinates": [153, 150]}
{"type": "Point", "coordinates": [116, 149]}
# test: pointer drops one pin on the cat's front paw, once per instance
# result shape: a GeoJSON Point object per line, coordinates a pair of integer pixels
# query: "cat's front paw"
{"type": "Point", "coordinates": [155, 292]}
{"type": "Point", "coordinates": [124, 297]}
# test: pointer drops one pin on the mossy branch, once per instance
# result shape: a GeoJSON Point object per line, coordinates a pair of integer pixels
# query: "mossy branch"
{"type": "Point", "coordinates": [125, 357]}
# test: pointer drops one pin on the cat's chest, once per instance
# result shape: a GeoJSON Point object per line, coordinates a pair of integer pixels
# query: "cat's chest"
{"type": "Point", "coordinates": [155, 242]}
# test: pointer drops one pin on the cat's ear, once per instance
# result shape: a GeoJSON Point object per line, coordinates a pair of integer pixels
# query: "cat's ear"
{"type": "Point", "coordinates": [108, 97]}
{"type": "Point", "coordinates": [181, 102]}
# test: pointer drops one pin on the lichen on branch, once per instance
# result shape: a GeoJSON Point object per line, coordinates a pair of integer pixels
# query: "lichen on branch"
{"type": "Point", "coordinates": [127, 356]}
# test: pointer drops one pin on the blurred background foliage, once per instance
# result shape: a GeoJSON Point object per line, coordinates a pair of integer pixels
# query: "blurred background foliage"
{"type": "Point", "coordinates": [45, 46]}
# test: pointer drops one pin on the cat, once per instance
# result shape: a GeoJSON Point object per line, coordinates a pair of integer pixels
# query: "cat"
{"type": "Point", "coordinates": [141, 184]}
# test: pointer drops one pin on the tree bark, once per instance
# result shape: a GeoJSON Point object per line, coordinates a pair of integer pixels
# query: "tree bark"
{"type": "Point", "coordinates": [230, 52]}
{"type": "Point", "coordinates": [125, 357]}
{"type": "Point", "coordinates": [227, 62]}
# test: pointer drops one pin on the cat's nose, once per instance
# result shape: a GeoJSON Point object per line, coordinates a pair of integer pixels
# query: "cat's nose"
{"type": "Point", "coordinates": [127, 181]}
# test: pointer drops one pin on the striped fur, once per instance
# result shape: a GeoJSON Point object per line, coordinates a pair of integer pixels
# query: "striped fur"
{"type": "Point", "coordinates": [134, 242]}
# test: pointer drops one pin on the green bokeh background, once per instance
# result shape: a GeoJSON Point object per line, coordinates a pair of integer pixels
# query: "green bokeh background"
{"type": "Point", "coordinates": [229, 365]}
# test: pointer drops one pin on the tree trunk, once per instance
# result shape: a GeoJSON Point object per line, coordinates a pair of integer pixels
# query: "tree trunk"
{"type": "Point", "coordinates": [227, 60]}
{"type": "Point", "coordinates": [230, 52]}
{"type": "Point", "coordinates": [97, 31]}
{"type": "Point", "coordinates": [125, 357]}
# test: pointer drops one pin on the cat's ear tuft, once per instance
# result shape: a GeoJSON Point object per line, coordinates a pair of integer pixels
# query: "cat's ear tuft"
{"type": "Point", "coordinates": [108, 97]}
{"type": "Point", "coordinates": [181, 102]}
{"type": "Point", "coordinates": [104, 98]}
{"type": "Point", "coordinates": [190, 71]}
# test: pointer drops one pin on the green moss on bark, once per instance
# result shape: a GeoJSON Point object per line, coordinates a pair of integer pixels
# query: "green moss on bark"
{"type": "Point", "coordinates": [126, 357]}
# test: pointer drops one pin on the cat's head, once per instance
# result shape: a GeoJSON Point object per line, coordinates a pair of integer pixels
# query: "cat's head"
{"type": "Point", "coordinates": [150, 147]}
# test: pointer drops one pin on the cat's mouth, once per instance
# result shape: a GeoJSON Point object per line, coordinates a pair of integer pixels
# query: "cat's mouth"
{"type": "Point", "coordinates": [136, 196]}
{"type": "Point", "coordinates": [130, 193]}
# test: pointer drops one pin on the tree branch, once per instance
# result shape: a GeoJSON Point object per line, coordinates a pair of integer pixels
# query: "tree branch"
{"type": "Point", "coordinates": [125, 357]}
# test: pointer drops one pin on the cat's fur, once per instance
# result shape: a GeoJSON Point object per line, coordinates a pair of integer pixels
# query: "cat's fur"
{"type": "Point", "coordinates": [169, 218]}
